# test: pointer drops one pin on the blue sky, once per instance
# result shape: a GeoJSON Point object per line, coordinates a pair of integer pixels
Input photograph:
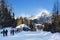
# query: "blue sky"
{"type": "Point", "coordinates": [30, 7]}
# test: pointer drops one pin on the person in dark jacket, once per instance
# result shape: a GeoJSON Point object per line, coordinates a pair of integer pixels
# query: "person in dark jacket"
{"type": "Point", "coordinates": [6, 32]}
{"type": "Point", "coordinates": [3, 32]}
{"type": "Point", "coordinates": [13, 32]}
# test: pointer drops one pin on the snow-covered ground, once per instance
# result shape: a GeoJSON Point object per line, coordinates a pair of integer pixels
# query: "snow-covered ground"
{"type": "Point", "coordinates": [36, 35]}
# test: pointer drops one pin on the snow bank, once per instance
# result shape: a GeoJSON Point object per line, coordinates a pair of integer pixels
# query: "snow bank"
{"type": "Point", "coordinates": [38, 35]}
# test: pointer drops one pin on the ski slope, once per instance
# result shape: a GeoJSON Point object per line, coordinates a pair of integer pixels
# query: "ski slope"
{"type": "Point", "coordinates": [36, 35]}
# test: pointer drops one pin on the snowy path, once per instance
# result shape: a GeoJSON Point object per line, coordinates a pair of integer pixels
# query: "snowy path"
{"type": "Point", "coordinates": [39, 35]}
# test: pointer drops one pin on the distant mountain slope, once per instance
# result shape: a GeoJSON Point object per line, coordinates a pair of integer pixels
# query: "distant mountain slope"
{"type": "Point", "coordinates": [43, 16]}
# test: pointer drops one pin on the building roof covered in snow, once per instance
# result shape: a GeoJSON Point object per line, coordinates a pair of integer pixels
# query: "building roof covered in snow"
{"type": "Point", "coordinates": [22, 25]}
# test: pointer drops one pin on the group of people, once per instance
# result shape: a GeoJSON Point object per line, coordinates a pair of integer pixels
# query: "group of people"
{"type": "Point", "coordinates": [12, 32]}
{"type": "Point", "coordinates": [5, 32]}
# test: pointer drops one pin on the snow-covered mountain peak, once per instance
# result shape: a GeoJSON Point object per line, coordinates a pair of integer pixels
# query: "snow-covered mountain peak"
{"type": "Point", "coordinates": [41, 13]}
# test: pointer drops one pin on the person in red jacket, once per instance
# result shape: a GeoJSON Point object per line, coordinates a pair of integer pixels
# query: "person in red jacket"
{"type": "Point", "coordinates": [12, 32]}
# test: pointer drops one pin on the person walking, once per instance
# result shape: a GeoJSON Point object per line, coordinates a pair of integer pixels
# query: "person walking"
{"type": "Point", "coordinates": [6, 32]}
{"type": "Point", "coordinates": [12, 32]}
{"type": "Point", "coordinates": [3, 32]}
